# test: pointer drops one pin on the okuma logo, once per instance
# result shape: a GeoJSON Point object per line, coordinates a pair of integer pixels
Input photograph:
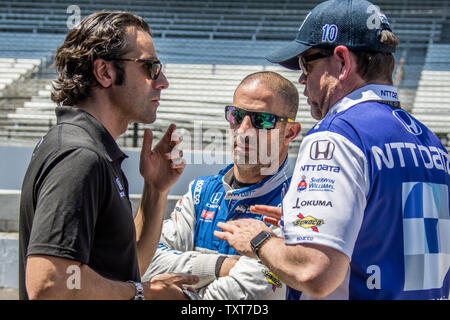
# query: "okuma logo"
{"type": "Point", "coordinates": [407, 121]}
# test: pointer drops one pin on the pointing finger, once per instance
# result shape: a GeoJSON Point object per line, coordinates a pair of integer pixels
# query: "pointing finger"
{"type": "Point", "coordinates": [168, 136]}
{"type": "Point", "coordinates": [272, 221]}
{"type": "Point", "coordinates": [270, 211]}
{"type": "Point", "coordinates": [175, 139]}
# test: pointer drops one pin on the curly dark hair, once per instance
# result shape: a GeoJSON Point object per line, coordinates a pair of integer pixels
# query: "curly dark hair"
{"type": "Point", "coordinates": [101, 35]}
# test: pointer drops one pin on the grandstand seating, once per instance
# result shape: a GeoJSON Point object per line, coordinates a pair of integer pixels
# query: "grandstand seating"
{"type": "Point", "coordinates": [12, 70]}
{"type": "Point", "coordinates": [28, 46]}
{"type": "Point", "coordinates": [217, 43]}
{"type": "Point", "coordinates": [250, 20]}
{"type": "Point", "coordinates": [196, 97]}
{"type": "Point", "coordinates": [432, 101]}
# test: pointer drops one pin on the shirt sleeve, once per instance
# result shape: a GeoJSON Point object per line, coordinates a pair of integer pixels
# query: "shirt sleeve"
{"type": "Point", "coordinates": [326, 199]}
{"type": "Point", "coordinates": [67, 204]}
{"type": "Point", "coordinates": [178, 231]}
{"type": "Point", "coordinates": [248, 280]}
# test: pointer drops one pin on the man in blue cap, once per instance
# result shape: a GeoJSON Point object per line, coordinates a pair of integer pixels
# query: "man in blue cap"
{"type": "Point", "coordinates": [367, 212]}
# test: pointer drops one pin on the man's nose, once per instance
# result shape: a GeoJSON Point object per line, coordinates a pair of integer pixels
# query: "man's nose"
{"type": "Point", "coordinates": [302, 79]}
{"type": "Point", "coordinates": [245, 124]}
{"type": "Point", "coordinates": [162, 82]}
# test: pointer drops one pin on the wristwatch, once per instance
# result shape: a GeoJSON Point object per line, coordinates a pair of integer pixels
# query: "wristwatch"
{"type": "Point", "coordinates": [258, 241]}
{"type": "Point", "coordinates": [139, 295]}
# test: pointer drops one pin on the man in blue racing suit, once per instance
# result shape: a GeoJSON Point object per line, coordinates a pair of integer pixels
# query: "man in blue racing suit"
{"type": "Point", "coordinates": [261, 122]}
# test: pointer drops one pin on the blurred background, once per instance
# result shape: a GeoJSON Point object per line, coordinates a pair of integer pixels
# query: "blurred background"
{"type": "Point", "coordinates": [207, 47]}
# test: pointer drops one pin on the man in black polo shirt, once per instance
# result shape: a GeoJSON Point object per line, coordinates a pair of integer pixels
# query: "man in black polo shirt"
{"type": "Point", "coordinates": [78, 239]}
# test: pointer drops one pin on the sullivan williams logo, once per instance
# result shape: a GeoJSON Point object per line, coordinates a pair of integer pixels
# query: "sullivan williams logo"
{"type": "Point", "coordinates": [303, 185]}
{"type": "Point", "coordinates": [308, 222]}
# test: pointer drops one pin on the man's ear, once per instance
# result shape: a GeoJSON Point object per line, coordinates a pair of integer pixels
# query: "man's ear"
{"type": "Point", "coordinates": [103, 72]}
{"type": "Point", "coordinates": [346, 60]}
{"type": "Point", "coordinates": [292, 131]}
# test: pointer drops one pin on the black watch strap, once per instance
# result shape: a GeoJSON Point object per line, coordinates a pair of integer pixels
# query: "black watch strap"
{"type": "Point", "coordinates": [258, 241]}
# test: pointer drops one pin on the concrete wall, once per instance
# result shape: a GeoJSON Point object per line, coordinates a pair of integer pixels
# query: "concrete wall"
{"type": "Point", "coordinates": [9, 210]}
{"type": "Point", "coordinates": [10, 200]}
{"type": "Point", "coordinates": [14, 162]}
{"type": "Point", "coordinates": [13, 165]}
{"type": "Point", "coordinates": [9, 260]}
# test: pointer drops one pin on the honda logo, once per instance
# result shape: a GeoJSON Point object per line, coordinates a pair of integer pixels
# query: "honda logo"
{"type": "Point", "coordinates": [322, 150]}
{"type": "Point", "coordinates": [408, 122]}
{"type": "Point", "coordinates": [215, 198]}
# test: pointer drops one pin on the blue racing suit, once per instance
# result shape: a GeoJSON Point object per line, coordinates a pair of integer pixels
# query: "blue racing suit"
{"type": "Point", "coordinates": [188, 244]}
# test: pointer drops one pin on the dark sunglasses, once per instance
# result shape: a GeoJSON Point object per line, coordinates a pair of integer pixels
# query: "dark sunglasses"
{"type": "Point", "coordinates": [153, 66]}
{"type": "Point", "coordinates": [303, 61]}
{"type": "Point", "coordinates": [260, 120]}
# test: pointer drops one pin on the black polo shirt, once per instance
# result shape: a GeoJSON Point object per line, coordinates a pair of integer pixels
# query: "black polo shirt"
{"type": "Point", "coordinates": [75, 202]}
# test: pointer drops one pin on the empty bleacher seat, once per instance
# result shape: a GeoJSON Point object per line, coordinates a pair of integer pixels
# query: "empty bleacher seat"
{"type": "Point", "coordinates": [432, 102]}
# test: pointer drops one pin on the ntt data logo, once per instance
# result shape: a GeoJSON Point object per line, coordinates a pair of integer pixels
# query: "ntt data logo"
{"type": "Point", "coordinates": [408, 122]}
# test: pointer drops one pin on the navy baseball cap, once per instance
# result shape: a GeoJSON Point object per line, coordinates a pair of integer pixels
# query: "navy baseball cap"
{"type": "Point", "coordinates": [356, 24]}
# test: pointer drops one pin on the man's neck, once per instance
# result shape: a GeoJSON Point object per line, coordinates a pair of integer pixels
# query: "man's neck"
{"type": "Point", "coordinates": [253, 175]}
{"type": "Point", "coordinates": [358, 85]}
{"type": "Point", "coordinates": [349, 87]}
{"type": "Point", "coordinates": [105, 113]}
{"type": "Point", "coordinates": [236, 184]}
{"type": "Point", "coordinates": [247, 175]}
{"type": "Point", "coordinates": [346, 89]}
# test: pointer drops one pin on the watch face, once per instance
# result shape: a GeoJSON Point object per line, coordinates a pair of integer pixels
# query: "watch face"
{"type": "Point", "coordinates": [259, 239]}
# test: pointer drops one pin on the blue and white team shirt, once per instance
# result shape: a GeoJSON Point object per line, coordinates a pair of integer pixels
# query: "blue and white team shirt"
{"type": "Point", "coordinates": [373, 182]}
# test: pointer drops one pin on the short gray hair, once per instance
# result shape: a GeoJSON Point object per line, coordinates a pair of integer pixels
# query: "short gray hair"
{"type": "Point", "coordinates": [279, 85]}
